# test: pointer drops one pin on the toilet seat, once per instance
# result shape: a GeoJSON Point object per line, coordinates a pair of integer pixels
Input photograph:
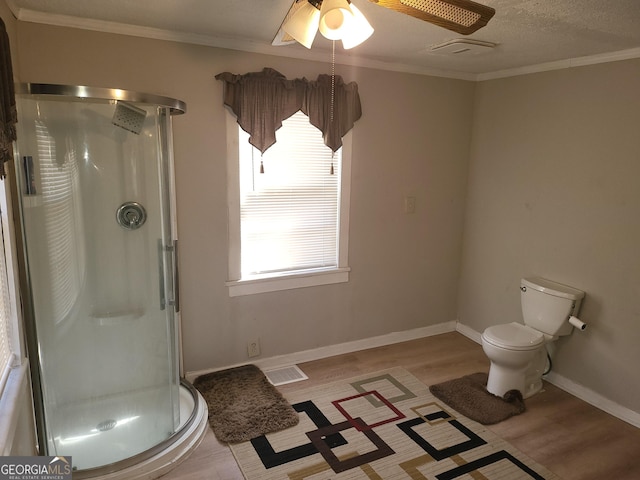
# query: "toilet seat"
{"type": "Point", "coordinates": [513, 336]}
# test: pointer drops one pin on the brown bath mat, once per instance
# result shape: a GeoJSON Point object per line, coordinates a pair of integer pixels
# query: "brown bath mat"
{"type": "Point", "coordinates": [243, 404]}
{"type": "Point", "coordinates": [469, 396]}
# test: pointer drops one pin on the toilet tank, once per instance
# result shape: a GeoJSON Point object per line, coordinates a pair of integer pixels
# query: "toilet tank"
{"type": "Point", "coordinates": [547, 305]}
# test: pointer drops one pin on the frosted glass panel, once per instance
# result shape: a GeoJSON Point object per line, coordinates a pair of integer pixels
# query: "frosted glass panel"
{"type": "Point", "coordinates": [106, 336]}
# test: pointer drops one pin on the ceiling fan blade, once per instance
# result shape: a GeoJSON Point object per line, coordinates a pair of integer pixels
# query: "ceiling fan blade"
{"type": "Point", "coordinates": [461, 16]}
{"type": "Point", "coordinates": [282, 37]}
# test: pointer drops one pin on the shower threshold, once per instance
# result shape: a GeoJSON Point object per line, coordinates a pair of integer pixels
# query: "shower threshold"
{"type": "Point", "coordinates": [151, 463]}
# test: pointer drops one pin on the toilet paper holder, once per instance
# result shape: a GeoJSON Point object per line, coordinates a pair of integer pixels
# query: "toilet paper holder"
{"type": "Point", "coordinates": [577, 323]}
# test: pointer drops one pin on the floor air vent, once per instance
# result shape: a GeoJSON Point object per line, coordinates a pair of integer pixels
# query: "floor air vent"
{"type": "Point", "coordinates": [284, 375]}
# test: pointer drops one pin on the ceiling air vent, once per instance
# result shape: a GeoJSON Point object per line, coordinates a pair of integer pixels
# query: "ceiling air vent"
{"type": "Point", "coordinates": [463, 46]}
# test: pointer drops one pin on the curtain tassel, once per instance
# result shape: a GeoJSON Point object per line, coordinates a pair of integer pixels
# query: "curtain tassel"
{"type": "Point", "coordinates": [261, 167]}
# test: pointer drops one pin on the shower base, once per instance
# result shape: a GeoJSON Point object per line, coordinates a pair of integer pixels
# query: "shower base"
{"type": "Point", "coordinates": [109, 443]}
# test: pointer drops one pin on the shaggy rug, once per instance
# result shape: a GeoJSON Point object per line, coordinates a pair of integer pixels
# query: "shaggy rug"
{"type": "Point", "coordinates": [469, 396]}
{"type": "Point", "coordinates": [381, 426]}
{"type": "Point", "coordinates": [243, 404]}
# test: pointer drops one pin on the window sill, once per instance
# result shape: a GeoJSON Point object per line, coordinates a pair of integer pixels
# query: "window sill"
{"type": "Point", "coordinates": [14, 403]}
{"type": "Point", "coordinates": [287, 281]}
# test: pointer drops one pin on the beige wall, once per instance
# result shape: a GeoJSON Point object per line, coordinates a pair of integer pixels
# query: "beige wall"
{"type": "Point", "coordinates": [554, 191]}
{"type": "Point", "coordinates": [413, 138]}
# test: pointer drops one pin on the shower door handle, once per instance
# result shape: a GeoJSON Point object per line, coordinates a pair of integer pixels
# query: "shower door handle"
{"type": "Point", "coordinates": [176, 279]}
{"type": "Point", "coordinates": [163, 300]}
{"type": "Point", "coordinates": [173, 249]}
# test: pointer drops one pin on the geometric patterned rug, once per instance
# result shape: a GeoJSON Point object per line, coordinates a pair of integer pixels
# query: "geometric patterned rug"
{"type": "Point", "coordinates": [381, 426]}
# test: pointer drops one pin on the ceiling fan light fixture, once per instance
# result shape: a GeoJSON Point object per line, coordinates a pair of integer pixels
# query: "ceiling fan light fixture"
{"type": "Point", "coordinates": [336, 18]}
{"type": "Point", "coordinates": [360, 30]}
{"type": "Point", "coordinates": [303, 25]}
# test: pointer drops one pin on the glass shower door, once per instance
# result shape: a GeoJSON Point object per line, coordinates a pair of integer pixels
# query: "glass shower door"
{"type": "Point", "coordinates": [98, 236]}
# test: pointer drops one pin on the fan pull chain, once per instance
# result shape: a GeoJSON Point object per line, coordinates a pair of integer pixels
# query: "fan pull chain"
{"type": "Point", "coordinates": [333, 80]}
{"type": "Point", "coordinates": [333, 94]}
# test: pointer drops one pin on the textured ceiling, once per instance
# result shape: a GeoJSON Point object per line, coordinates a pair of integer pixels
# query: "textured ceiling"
{"type": "Point", "coordinates": [528, 33]}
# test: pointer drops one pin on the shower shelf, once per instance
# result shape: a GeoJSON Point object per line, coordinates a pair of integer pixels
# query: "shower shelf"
{"type": "Point", "coordinates": [116, 318]}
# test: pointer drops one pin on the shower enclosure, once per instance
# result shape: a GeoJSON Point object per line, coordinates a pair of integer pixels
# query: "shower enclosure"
{"type": "Point", "coordinates": [95, 192]}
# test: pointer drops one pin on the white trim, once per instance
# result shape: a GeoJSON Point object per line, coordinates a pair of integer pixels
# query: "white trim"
{"type": "Point", "coordinates": [569, 386]}
{"type": "Point", "coordinates": [11, 263]}
{"type": "Point", "coordinates": [6, 371]}
{"type": "Point", "coordinates": [313, 278]}
{"type": "Point", "coordinates": [469, 332]}
{"type": "Point", "coordinates": [562, 64]}
{"type": "Point", "coordinates": [233, 196]}
{"type": "Point", "coordinates": [339, 349]}
{"type": "Point", "coordinates": [593, 398]}
{"type": "Point", "coordinates": [12, 405]}
{"type": "Point", "coordinates": [345, 201]}
{"type": "Point", "coordinates": [301, 53]}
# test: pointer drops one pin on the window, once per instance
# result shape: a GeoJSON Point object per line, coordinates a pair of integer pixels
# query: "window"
{"type": "Point", "coordinates": [6, 351]}
{"type": "Point", "coordinates": [288, 225]}
{"type": "Point", "coordinates": [8, 315]}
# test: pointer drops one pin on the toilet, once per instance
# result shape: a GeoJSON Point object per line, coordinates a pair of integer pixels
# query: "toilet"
{"type": "Point", "coordinates": [518, 352]}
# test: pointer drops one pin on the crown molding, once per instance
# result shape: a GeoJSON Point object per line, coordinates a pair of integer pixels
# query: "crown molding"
{"type": "Point", "coordinates": [629, 54]}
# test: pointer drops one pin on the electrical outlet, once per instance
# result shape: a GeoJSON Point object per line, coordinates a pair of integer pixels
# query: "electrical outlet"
{"type": "Point", "coordinates": [409, 204]}
{"type": "Point", "coordinates": [253, 347]}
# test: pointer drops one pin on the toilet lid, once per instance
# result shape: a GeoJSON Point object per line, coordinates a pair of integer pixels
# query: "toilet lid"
{"type": "Point", "coordinates": [513, 336]}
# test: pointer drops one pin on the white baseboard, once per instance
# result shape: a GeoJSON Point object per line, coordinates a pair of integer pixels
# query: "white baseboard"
{"type": "Point", "coordinates": [595, 399]}
{"type": "Point", "coordinates": [339, 349]}
{"type": "Point", "coordinates": [569, 386]}
{"type": "Point", "coordinates": [469, 332]}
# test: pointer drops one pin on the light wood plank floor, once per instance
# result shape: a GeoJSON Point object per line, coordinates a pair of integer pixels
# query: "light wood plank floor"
{"type": "Point", "coordinates": [568, 436]}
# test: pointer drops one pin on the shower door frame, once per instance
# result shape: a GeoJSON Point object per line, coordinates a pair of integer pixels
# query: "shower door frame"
{"type": "Point", "coordinates": [35, 90]}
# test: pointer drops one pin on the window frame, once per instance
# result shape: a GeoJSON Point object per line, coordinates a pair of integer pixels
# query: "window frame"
{"type": "Point", "coordinates": [284, 280]}
{"type": "Point", "coordinates": [7, 241]}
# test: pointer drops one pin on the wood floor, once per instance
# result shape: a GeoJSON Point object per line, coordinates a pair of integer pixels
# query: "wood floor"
{"type": "Point", "coordinates": [568, 436]}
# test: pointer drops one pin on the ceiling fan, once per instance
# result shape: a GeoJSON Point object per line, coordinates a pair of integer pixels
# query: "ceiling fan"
{"type": "Point", "coordinates": [460, 16]}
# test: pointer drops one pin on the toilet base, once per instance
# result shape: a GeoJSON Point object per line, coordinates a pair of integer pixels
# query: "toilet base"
{"type": "Point", "coordinates": [532, 389]}
{"type": "Point", "coordinates": [501, 380]}
{"type": "Point", "coordinates": [527, 380]}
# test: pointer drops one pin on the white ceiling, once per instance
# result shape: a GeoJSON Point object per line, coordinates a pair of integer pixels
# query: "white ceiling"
{"type": "Point", "coordinates": [530, 34]}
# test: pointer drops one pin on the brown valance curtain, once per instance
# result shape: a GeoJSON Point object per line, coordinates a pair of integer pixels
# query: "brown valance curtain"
{"type": "Point", "coordinates": [8, 115]}
{"type": "Point", "coordinates": [263, 100]}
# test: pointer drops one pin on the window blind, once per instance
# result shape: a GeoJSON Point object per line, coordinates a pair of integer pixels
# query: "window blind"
{"type": "Point", "coordinates": [289, 214]}
{"type": "Point", "coordinates": [6, 353]}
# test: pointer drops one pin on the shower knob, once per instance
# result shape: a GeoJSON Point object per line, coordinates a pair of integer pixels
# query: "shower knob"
{"type": "Point", "coordinates": [131, 215]}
